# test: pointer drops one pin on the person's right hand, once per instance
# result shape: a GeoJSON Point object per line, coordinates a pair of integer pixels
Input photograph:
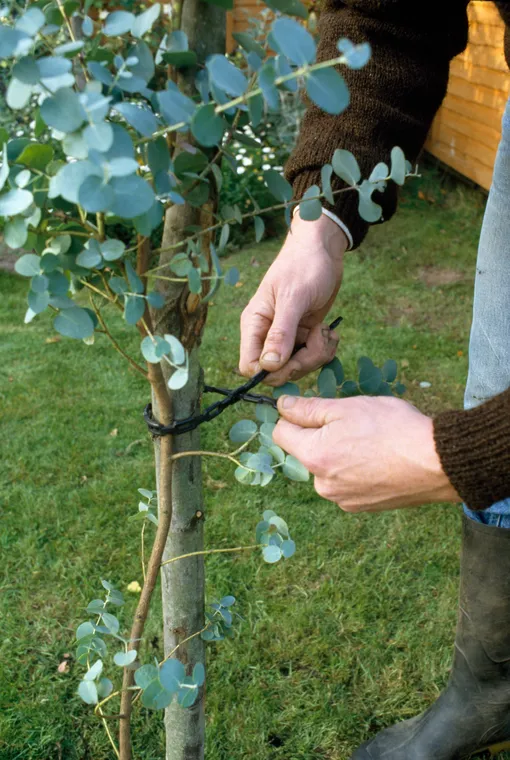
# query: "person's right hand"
{"type": "Point", "coordinates": [291, 303]}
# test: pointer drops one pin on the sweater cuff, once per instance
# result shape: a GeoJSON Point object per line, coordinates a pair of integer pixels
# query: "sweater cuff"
{"type": "Point", "coordinates": [474, 449]}
{"type": "Point", "coordinates": [345, 206]}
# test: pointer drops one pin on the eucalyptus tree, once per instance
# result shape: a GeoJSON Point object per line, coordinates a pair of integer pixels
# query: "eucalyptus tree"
{"type": "Point", "coordinates": [115, 199]}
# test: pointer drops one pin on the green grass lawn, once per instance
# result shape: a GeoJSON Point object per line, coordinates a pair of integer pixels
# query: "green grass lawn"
{"type": "Point", "coordinates": [351, 634]}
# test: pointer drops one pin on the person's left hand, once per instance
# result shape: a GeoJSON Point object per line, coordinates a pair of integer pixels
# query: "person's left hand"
{"type": "Point", "coordinates": [367, 454]}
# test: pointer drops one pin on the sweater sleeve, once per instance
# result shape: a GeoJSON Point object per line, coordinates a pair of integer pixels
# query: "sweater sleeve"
{"type": "Point", "coordinates": [474, 449]}
{"type": "Point", "coordinates": [393, 98]}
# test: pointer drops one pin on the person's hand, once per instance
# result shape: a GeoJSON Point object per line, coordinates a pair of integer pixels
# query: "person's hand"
{"type": "Point", "coordinates": [291, 302]}
{"type": "Point", "coordinates": [367, 454]}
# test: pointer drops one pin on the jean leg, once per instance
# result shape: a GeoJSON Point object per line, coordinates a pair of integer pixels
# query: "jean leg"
{"type": "Point", "coordinates": [489, 347]}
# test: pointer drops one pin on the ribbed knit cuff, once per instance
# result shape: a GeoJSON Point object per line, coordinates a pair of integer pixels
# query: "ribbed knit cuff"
{"type": "Point", "coordinates": [474, 449]}
{"type": "Point", "coordinates": [345, 206]}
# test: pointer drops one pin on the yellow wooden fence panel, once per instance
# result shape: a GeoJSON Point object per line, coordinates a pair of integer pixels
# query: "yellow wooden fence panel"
{"type": "Point", "coordinates": [466, 131]}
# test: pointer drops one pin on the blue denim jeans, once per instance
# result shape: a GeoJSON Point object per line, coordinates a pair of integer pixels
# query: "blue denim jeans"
{"type": "Point", "coordinates": [489, 346]}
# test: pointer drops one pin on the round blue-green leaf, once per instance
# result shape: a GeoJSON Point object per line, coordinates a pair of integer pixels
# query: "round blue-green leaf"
{"type": "Point", "coordinates": [242, 475]}
{"type": "Point", "coordinates": [328, 90]}
{"type": "Point", "coordinates": [50, 67]}
{"type": "Point", "coordinates": [70, 177]}
{"type": "Point", "coordinates": [178, 379]}
{"type": "Point", "coordinates": [28, 265]}
{"type": "Point", "coordinates": [156, 300]}
{"type": "Point", "coordinates": [232, 276]}
{"type": "Point", "coordinates": [138, 116]}
{"type": "Point", "coordinates": [104, 688]}
{"type": "Point", "coordinates": [198, 674]}
{"type": "Point", "coordinates": [95, 196]}
{"type": "Point", "coordinates": [112, 249]}
{"type": "Point", "coordinates": [38, 301]}
{"type": "Point", "coordinates": [294, 470]}
{"type": "Point", "coordinates": [242, 431]}
{"type": "Point", "coordinates": [144, 22]}
{"type": "Point", "coordinates": [100, 72]}
{"type": "Point", "coordinates": [327, 383]}
{"type": "Point", "coordinates": [336, 366]}
{"type": "Point", "coordinates": [69, 48]}
{"type": "Point", "coordinates": [294, 41]}
{"type": "Point", "coordinates": [389, 370]}
{"type": "Point", "coordinates": [227, 601]}
{"type": "Point", "coordinates": [278, 185]}
{"type": "Point", "coordinates": [85, 629]}
{"type": "Point", "coordinates": [171, 674]}
{"type": "Point", "coordinates": [146, 223]}
{"type": "Point", "coordinates": [132, 196]}
{"type": "Point", "coordinates": [134, 309]}
{"type": "Point", "coordinates": [63, 111]}
{"type": "Point", "coordinates": [90, 257]}
{"type": "Point", "coordinates": [326, 172]}
{"type": "Point", "coordinates": [180, 264]}
{"type": "Point", "coordinates": [117, 23]}
{"type": "Point", "coordinates": [207, 126]}
{"type": "Point", "coordinates": [398, 165]}
{"type": "Point", "coordinates": [349, 388]}
{"type": "Point", "coordinates": [74, 323]}
{"type": "Point", "coordinates": [111, 622]}
{"type": "Point", "coordinates": [87, 26]}
{"type": "Point", "coordinates": [150, 694]}
{"type": "Point", "coordinates": [379, 173]}
{"type": "Point", "coordinates": [280, 525]}
{"type": "Point", "coordinates": [153, 350]}
{"type": "Point", "coordinates": [145, 675]}
{"type": "Point", "coordinates": [271, 554]}
{"type": "Point", "coordinates": [226, 76]}
{"type": "Point", "coordinates": [175, 106]}
{"type": "Point", "coordinates": [368, 210]}
{"type": "Point", "coordinates": [266, 433]}
{"type": "Point", "coordinates": [177, 350]}
{"type": "Point", "coordinates": [370, 379]}
{"type": "Point", "coordinates": [26, 70]}
{"type": "Point", "coordinates": [39, 283]}
{"type": "Point", "coordinates": [99, 136]}
{"type": "Point", "coordinates": [288, 389]}
{"type": "Point", "coordinates": [288, 548]}
{"type": "Point", "coordinates": [346, 167]}
{"type": "Point", "coordinates": [123, 659]}
{"type": "Point", "coordinates": [266, 413]}
{"type": "Point", "coordinates": [310, 207]}
{"type": "Point", "coordinates": [87, 690]}
{"type": "Point", "coordinates": [15, 233]}
{"type": "Point", "coordinates": [399, 388]}
{"type": "Point", "coordinates": [15, 202]}
{"type": "Point", "coordinates": [356, 56]}
{"type": "Point", "coordinates": [31, 21]}
{"type": "Point", "coordinates": [58, 284]}
{"type": "Point", "coordinates": [194, 280]}
{"type": "Point", "coordinates": [93, 672]}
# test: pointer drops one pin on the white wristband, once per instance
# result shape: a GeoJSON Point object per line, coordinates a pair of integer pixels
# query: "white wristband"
{"type": "Point", "coordinates": [334, 218]}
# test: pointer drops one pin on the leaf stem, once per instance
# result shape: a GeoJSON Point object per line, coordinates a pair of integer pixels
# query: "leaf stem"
{"type": "Point", "coordinates": [211, 551]}
{"type": "Point", "coordinates": [143, 550]}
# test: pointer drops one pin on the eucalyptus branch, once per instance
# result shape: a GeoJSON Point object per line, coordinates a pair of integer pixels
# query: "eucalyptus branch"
{"type": "Point", "coordinates": [247, 215]}
{"type": "Point", "coordinates": [199, 453]}
{"type": "Point", "coordinates": [109, 734]}
{"type": "Point", "coordinates": [100, 226]}
{"type": "Point", "coordinates": [246, 96]}
{"type": "Point", "coordinates": [114, 342]}
{"type": "Point", "coordinates": [184, 641]}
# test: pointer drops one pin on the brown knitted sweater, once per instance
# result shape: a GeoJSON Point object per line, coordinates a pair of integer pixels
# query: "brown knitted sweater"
{"type": "Point", "coordinates": [393, 102]}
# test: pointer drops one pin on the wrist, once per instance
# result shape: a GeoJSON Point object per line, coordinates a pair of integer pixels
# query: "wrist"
{"type": "Point", "coordinates": [323, 231]}
{"type": "Point", "coordinates": [439, 486]}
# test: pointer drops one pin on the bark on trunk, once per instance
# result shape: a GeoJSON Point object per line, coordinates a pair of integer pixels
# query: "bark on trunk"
{"type": "Point", "coordinates": [183, 582]}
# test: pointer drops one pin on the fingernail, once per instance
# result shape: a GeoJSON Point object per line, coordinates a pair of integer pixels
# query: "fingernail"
{"type": "Point", "coordinates": [271, 357]}
{"type": "Point", "coordinates": [288, 402]}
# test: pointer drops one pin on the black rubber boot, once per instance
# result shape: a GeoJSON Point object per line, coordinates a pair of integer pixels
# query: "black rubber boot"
{"type": "Point", "coordinates": [473, 712]}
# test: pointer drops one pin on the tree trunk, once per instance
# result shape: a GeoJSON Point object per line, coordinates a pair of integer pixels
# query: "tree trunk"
{"type": "Point", "coordinates": [183, 582]}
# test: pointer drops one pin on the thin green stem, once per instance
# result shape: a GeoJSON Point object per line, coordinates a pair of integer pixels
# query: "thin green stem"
{"type": "Point", "coordinates": [108, 733]}
{"type": "Point", "coordinates": [183, 454]}
{"type": "Point", "coordinates": [211, 551]}
{"type": "Point", "coordinates": [247, 215]}
{"type": "Point", "coordinates": [114, 342]}
{"type": "Point", "coordinates": [184, 641]}
{"type": "Point", "coordinates": [144, 575]}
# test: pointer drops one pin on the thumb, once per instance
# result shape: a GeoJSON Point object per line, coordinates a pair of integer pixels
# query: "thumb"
{"type": "Point", "coordinates": [281, 337]}
{"type": "Point", "coordinates": [309, 412]}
